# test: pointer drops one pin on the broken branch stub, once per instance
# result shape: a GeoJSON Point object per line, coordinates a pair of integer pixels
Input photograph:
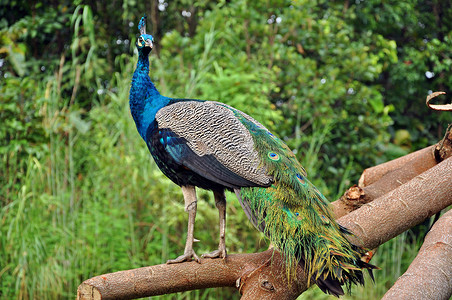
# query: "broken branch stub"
{"type": "Point", "coordinates": [441, 107]}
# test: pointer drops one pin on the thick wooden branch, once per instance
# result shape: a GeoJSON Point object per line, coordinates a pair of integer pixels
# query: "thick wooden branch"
{"type": "Point", "coordinates": [260, 275]}
{"type": "Point", "coordinates": [383, 178]}
{"type": "Point", "coordinates": [252, 274]}
{"type": "Point", "coordinates": [406, 206]}
{"type": "Point", "coordinates": [379, 180]}
{"type": "Point", "coordinates": [430, 274]}
{"type": "Point", "coordinates": [424, 159]}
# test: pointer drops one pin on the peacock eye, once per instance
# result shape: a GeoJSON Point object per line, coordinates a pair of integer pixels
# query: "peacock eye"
{"type": "Point", "coordinates": [140, 39]}
{"type": "Point", "coordinates": [273, 156]}
{"type": "Point", "coordinates": [297, 214]}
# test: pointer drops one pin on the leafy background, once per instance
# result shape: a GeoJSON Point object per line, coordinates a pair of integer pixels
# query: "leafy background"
{"type": "Point", "coordinates": [342, 82]}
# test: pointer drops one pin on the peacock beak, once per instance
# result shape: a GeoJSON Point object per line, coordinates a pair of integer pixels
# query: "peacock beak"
{"type": "Point", "coordinates": [149, 43]}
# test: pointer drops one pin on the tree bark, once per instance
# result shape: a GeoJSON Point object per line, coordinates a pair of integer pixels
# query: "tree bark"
{"type": "Point", "coordinates": [381, 179]}
{"type": "Point", "coordinates": [424, 156]}
{"type": "Point", "coordinates": [430, 274]}
{"type": "Point", "coordinates": [388, 212]}
{"type": "Point", "coordinates": [255, 275]}
{"type": "Point", "coordinates": [406, 206]}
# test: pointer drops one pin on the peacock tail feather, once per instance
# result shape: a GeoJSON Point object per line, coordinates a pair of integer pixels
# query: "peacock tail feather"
{"type": "Point", "coordinates": [295, 216]}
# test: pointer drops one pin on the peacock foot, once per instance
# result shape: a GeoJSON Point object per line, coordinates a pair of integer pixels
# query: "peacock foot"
{"type": "Point", "coordinates": [220, 253]}
{"type": "Point", "coordinates": [187, 256]}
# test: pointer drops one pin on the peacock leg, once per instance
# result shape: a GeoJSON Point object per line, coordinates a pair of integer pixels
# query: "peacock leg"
{"type": "Point", "coordinates": [189, 193]}
{"type": "Point", "coordinates": [220, 203]}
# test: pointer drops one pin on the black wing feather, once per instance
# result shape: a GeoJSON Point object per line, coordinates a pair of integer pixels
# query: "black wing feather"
{"type": "Point", "coordinates": [206, 165]}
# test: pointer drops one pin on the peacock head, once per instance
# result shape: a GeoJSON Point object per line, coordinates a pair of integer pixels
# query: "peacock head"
{"type": "Point", "coordinates": [145, 41]}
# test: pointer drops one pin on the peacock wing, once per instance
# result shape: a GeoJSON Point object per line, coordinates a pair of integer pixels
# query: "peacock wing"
{"type": "Point", "coordinates": [210, 140]}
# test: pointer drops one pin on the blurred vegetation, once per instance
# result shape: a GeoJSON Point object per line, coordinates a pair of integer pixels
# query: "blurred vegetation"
{"type": "Point", "coordinates": [343, 82]}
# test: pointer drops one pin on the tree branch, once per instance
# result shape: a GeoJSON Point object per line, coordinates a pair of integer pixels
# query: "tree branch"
{"type": "Point", "coordinates": [424, 156]}
{"type": "Point", "coordinates": [381, 179]}
{"type": "Point", "coordinates": [430, 274]}
{"type": "Point", "coordinates": [252, 274]}
{"type": "Point", "coordinates": [406, 206]}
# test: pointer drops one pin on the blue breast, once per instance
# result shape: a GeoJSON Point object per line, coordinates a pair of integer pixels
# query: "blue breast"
{"type": "Point", "coordinates": [149, 112]}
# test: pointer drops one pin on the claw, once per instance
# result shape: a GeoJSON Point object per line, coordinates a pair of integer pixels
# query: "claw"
{"type": "Point", "coordinates": [188, 256]}
{"type": "Point", "coordinates": [220, 253]}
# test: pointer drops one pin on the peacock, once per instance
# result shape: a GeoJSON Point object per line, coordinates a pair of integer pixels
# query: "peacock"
{"type": "Point", "coordinates": [216, 147]}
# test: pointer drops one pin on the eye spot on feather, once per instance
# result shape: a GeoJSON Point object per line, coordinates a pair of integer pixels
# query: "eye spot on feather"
{"type": "Point", "coordinates": [297, 215]}
{"type": "Point", "coordinates": [325, 219]}
{"type": "Point", "coordinates": [273, 156]}
{"type": "Point", "coordinates": [301, 179]}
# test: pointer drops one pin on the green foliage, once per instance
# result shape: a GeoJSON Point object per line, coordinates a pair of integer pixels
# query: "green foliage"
{"type": "Point", "coordinates": [422, 32]}
{"type": "Point", "coordinates": [342, 84]}
{"type": "Point", "coordinates": [21, 133]}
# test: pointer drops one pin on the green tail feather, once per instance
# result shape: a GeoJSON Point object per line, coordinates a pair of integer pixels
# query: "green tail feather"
{"type": "Point", "coordinates": [296, 218]}
{"type": "Point", "coordinates": [302, 233]}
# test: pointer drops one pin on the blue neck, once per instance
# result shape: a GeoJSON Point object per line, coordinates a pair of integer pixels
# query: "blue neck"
{"type": "Point", "coordinates": [144, 99]}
